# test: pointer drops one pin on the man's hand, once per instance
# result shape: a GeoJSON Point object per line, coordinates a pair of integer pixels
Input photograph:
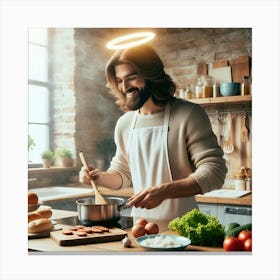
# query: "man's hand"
{"type": "Point", "coordinates": [148, 198]}
{"type": "Point", "coordinates": [85, 176]}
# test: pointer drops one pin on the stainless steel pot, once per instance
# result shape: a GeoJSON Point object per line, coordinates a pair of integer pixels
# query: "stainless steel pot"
{"type": "Point", "coordinates": [90, 213]}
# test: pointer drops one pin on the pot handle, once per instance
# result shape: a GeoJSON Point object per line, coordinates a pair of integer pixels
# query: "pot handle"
{"type": "Point", "coordinates": [123, 206]}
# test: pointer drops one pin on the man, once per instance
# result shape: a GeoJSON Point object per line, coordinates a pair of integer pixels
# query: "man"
{"type": "Point", "coordinates": [165, 146]}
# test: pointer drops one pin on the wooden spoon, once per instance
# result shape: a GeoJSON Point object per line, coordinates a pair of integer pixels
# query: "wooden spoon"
{"type": "Point", "coordinates": [99, 199]}
{"type": "Point", "coordinates": [244, 130]}
{"type": "Point", "coordinates": [228, 146]}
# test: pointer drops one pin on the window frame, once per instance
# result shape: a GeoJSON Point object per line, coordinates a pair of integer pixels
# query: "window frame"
{"type": "Point", "coordinates": [47, 85]}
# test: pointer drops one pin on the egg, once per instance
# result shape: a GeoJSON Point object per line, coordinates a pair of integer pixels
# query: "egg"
{"type": "Point", "coordinates": [138, 230]}
{"type": "Point", "coordinates": [151, 228]}
{"type": "Point", "coordinates": [141, 221]}
{"type": "Point", "coordinates": [32, 198]}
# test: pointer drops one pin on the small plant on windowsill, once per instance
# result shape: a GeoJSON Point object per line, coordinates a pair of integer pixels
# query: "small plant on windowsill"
{"type": "Point", "coordinates": [65, 156]}
{"type": "Point", "coordinates": [47, 157]}
{"type": "Point", "coordinates": [31, 143]}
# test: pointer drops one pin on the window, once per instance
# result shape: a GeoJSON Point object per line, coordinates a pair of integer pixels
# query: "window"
{"type": "Point", "coordinates": [38, 94]}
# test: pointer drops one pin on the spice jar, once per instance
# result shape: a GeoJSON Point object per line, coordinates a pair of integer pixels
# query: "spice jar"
{"type": "Point", "coordinates": [239, 181]}
{"type": "Point", "coordinates": [188, 93]}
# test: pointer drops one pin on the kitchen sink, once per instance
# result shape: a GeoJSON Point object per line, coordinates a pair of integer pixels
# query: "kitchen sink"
{"type": "Point", "coordinates": [57, 192]}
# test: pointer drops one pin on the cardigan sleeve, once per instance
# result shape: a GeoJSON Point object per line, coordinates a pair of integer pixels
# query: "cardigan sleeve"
{"type": "Point", "coordinates": [119, 162]}
{"type": "Point", "coordinates": [205, 152]}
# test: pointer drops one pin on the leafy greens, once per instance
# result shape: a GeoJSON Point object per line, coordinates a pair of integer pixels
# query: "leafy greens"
{"type": "Point", "coordinates": [201, 229]}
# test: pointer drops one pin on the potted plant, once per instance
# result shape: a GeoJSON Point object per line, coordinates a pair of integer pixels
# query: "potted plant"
{"type": "Point", "coordinates": [31, 143]}
{"type": "Point", "coordinates": [47, 157]}
{"type": "Point", "coordinates": [65, 156]}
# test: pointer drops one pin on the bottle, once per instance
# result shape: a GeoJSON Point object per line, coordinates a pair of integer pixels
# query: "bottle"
{"type": "Point", "coordinates": [248, 183]}
{"type": "Point", "coordinates": [239, 180]}
{"type": "Point", "coordinates": [188, 93]}
{"type": "Point", "coordinates": [216, 89]}
{"type": "Point", "coordinates": [198, 88]}
{"type": "Point", "coordinates": [245, 86]}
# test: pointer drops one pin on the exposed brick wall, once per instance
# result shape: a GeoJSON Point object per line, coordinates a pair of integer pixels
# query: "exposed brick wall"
{"type": "Point", "coordinates": [96, 109]}
{"type": "Point", "coordinates": [84, 112]}
{"type": "Point", "coordinates": [63, 97]}
{"type": "Point", "coordinates": [182, 49]}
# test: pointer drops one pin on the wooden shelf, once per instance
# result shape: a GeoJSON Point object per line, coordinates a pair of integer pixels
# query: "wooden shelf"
{"type": "Point", "coordinates": [221, 100]}
{"type": "Point", "coordinates": [51, 170]}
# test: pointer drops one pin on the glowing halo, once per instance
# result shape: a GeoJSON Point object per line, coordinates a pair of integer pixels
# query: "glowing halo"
{"type": "Point", "coordinates": [128, 40]}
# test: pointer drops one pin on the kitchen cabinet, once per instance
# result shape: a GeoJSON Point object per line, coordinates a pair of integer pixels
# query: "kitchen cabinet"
{"type": "Point", "coordinates": [228, 213]}
{"type": "Point", "coordinates": [208, 209]}
{"type": "Point", "coordinates": [234, 214]}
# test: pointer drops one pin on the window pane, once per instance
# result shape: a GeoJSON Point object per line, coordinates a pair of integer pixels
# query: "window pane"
{"type": "Point", "coordinates": [39, 133]}
{"type": "Point", "coordinates": [38, 35]}
{"type": "Point", "coordinates": [38, 69]}
{"type": "Point", "coordinates": [38, 104]}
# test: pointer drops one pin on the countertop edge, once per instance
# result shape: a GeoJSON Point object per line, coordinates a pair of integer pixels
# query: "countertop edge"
{"type": "Point", "coordinates": [245, 200]}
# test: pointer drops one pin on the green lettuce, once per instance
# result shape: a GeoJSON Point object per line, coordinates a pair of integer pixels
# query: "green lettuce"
{"type": "Point", "coordinates": [201, 229]}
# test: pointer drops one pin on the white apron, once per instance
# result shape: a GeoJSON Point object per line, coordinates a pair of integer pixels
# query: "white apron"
{"type": "Point", "coordinates": [147, 150]}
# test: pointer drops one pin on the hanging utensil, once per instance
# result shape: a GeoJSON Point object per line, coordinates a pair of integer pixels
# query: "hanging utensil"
{"type": "Point", "coordinates": [247, 124]}
{"type": "Point", "coordinates": [215, 126]}
{"type": "Point", "coordinates": [228, 145]}
{"type": "Point", "coordinates": [99, 199]}
{"type": "Point", "coordinates": [244, 130]}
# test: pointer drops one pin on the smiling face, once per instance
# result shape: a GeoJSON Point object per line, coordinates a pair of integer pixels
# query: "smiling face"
{"type": "Point", "coordinates": [132, 86]}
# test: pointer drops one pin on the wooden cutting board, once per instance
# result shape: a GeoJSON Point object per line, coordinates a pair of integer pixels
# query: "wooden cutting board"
{"type": "Point", "coordinates": [115, 234]}
{"type": "Point", "coordinates": [221, 74]}
{"type": "Point", "coordinates": [220, 63]}
{"type": "Point", "coordinates": [201, 69]}
{"type": "Point", "coordinates": [240, 68]}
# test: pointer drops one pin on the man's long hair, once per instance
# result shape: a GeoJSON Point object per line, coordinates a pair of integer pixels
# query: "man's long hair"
{"type": "Point", "coordinates": [149, 66]}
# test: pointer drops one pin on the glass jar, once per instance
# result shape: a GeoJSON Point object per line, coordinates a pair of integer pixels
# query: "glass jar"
{"type": "Point", "coordinates": [239, 181]}
{"type": "Point", "coordinates": [207, 91]}
{"type": "Point", "coordinates": [181, 93]}
{"type": "Point", "coordinates": [207, 86]}
{"type": "Point", "coordinates": [245, 86]}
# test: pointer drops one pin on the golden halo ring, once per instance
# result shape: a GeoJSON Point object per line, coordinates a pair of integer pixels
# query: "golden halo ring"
{"type": "Point", "coordinates": [129, 40]}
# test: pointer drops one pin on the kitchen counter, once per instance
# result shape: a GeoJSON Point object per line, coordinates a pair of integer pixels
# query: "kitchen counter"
{"type": "Point", "coordinates": [48, 245]}
{"type": "Point", "coordinates": [245, 200]}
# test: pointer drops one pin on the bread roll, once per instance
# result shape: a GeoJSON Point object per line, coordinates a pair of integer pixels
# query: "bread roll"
{"type": "Point", "coordinates": [33, 216]}
{"type": "Point", "coordinates": [43, 213]}
{"type": "Point", "coordinates": [39, 225]}
{"type": "Point", "coordinates": [32, 198]}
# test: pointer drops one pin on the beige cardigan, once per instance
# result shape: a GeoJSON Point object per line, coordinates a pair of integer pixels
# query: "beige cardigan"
{"type": "Point", "coordinates": [192, 146]}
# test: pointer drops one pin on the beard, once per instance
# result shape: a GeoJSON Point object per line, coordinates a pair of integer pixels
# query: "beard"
{"type": "Point", "coordinates": [136, 97]}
